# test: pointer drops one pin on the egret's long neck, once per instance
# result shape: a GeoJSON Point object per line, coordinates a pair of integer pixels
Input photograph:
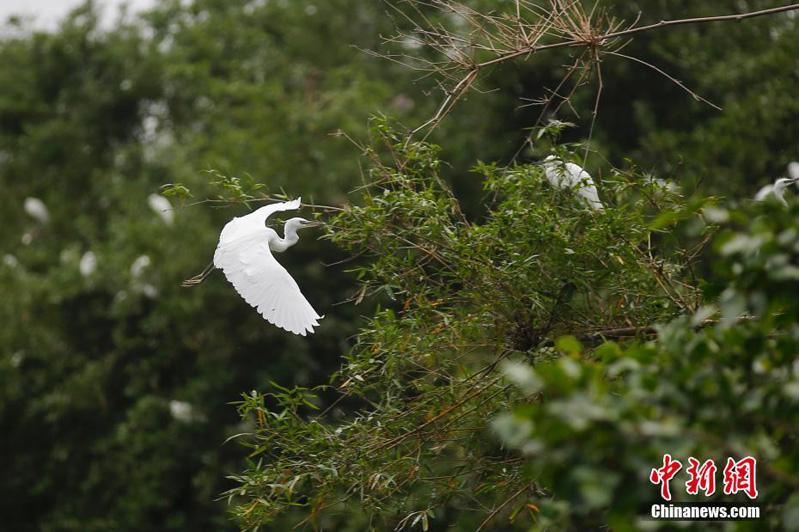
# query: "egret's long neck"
{"type": "Point", "coordinates": [779, 193]}
{"type": "Point", "coordinates": [290, 237]}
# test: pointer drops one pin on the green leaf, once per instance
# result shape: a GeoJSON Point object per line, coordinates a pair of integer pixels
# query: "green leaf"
{"type": "Point", "coordinates": [569, 345]}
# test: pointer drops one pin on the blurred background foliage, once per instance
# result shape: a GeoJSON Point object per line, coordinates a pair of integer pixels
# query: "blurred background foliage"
{"type": "Point", "coordinates": [116, 383]}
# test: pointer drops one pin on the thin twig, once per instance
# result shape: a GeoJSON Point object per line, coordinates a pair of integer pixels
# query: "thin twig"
{"type": "Point", "coordinates": [568, 22]}
{"type": "Point", "coordinates": [499, 508]}
{"type": "Point", "coordinates": [671, 78]}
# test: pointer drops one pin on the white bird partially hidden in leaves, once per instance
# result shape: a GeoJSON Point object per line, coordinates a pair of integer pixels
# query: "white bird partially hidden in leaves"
{"type": "Point", "coordinates": [777, 190]}
{"type": "Point", "coordinates": [569, 175]}
{"type": "Point", "coordinates": [244, 254]}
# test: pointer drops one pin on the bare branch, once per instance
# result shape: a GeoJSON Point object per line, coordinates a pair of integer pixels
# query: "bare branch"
{"type": "Point", "coordinates": [521, 32]}
{"type": "Point", "coordinates": [671, 78]}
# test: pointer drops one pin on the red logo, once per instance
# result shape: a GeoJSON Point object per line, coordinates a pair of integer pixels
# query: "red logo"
{"type": "Point", "coordinates": [702, 477]}
{"type": "Point", "coordinates": [663, 475]}
{"type": "Point", "coordinates": [740, 476]}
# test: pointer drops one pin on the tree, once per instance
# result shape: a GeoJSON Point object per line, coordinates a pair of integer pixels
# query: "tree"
{"type": "Point", "coordinates": [114, 408]}
{"type": "Point", "coordinates": [715, 390]}
{"type": "Point", "coordinates": [462, 297]}
{"type": "Point", "coordinates": [116, 381]}
{"type": "Point", "coordinates": [526, 281]}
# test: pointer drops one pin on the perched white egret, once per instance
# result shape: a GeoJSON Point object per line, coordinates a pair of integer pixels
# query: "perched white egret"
{"type": "Point", "coordinates": [161, 206]}
{"type": "Point", "coordinates": [244, 254]}
{"type": "Point", "coordinates": [35, 208]}
{"type": "Point", "coordinates": [569, 175]}
{"type": "Point", "coordinates": [184, 412]}
{"type": "Point", "coordinates": [88, 263]}
{"type": "Point", "coordinates": [663, 186]}
{"type": "Point", "coordinates": [777, 190]}
{"type": "Point", "coordinates": [139, 265]}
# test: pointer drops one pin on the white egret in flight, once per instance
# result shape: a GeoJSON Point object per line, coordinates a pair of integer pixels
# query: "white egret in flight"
{"type": "Point", "coordinates": [244, 254]}
{"type": "Point", "coordinates": [569, 175]}
{"type": "Point", "coordinates": [777, 190]}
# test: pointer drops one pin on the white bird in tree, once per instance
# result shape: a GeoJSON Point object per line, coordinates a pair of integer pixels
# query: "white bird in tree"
{"type": "Point", "coordinates": [161, 206]}
{"type": "Point", "coordinates": [569, 175]}
{"type": "Point", "coordinates": [244, 254]}
{"type": "Point", "coordinates": [777, 190]}
{"type": "Point", "coordinates": [35, 208]}
{"type": "Point", "coordinates": [793, 171]}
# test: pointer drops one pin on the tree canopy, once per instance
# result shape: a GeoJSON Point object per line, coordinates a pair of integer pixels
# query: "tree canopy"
{"type": "Point", "coordinates": [494, 354]}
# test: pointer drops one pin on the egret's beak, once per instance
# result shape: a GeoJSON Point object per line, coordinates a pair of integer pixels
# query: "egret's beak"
{"type": "Point", "coordinates": [313, 223]}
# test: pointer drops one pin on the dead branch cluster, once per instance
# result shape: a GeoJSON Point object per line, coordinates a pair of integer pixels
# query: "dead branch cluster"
{"type": "Point", "coordinates": [465, 41]}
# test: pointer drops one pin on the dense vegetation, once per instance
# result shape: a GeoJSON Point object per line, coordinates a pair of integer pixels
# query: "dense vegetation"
{"type": "Point", "coordinates": [513, 360]}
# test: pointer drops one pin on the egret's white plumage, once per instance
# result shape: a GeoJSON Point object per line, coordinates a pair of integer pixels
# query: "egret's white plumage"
{"type": "Point", "coordinates": [35, 208]}
{"type": "Point", "coordinates": [777, 190]}
{"type": "Point", "coordinates": [793, 171]}
{"type": "Point", "coordinates": [182, 411]}
{"type": "Point", "coordinates": [139, 265]}
{"type": "Point", "coordinates": [244, 254]}
{"type": "Point", "coordinates": [569, 175]}
{"type": "Point", "coordinates": [162, 207]}
{"type": "Point", "coordinates": [88, 263]}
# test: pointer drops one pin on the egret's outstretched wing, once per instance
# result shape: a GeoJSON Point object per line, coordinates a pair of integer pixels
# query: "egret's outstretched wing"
{"type": "Point", "coordinates": [263, 283]}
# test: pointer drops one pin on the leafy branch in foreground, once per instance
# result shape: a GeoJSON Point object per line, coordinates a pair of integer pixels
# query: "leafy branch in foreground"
{"type": "Point", "coordinates": [407, 439]}
{"type": "Point", "coordinates": [592, 427]}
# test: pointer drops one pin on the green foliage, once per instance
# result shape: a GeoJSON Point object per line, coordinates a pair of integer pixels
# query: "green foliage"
{"type": "Point", "coordinates": [594, 425]}
{"type": "Point", "coordinates": [461, 297]}
{"type": "Point", "coordinates": [117, 383]}
{"type": "Point", "coordinates": [234, 189]}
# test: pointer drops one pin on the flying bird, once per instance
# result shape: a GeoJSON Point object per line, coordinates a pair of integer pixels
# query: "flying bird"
{"type": "Point", "coordinates": [777, 190]}
{"type": "Point", "coordinates": [244, 254]}
{"type": "Point", "coordinates": [569, 175]}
